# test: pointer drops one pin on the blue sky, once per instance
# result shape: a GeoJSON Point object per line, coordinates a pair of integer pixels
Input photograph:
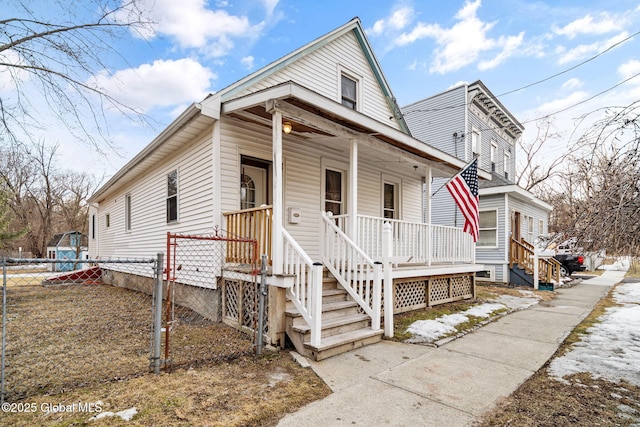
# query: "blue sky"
{"type": "Point", "coordinates": [424, 47]}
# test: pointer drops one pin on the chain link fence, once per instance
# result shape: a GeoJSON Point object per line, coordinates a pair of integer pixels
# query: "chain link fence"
{"type": "Point", "coordinates": [67, 324]}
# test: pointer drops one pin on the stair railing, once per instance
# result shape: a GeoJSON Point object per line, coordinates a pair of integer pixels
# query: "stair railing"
{"type": "Point", "coordinates": [358, 274]}
{"type": "Point", "coordinates": [306, 292]}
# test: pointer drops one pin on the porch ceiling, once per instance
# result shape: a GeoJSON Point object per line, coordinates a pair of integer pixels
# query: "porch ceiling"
{"type": "Point", "coordinates": [314, 117]}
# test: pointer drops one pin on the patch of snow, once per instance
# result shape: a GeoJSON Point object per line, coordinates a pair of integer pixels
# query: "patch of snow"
{"type": "Point", "coordinates": [126, 415]}
{"type": "Point", "coordinates": [621, 264]}
{"type": "Point", "coordinates": [611, 349]}
{"type": "Point", "coordinates": [428, 331]}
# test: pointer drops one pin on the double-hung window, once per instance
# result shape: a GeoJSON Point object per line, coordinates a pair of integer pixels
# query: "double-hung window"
{"type": "Point", "coordinates": [172, 196]}
{"type": "Point", "coordinates": [488, 229]}
{"type": "Point", "coordinates": [349, 92]}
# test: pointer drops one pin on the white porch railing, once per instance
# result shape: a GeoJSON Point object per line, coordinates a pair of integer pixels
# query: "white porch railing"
{"type": "Point", "coordinates": [306, 292]}
{"type": "Point", "coordinates": [358, 274]}
{"type": "Point", "coordinates": [413, 241]}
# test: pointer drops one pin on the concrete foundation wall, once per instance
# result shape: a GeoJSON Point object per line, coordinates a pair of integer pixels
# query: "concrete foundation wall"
{"type": "Point", "coordinates": [206, 302]}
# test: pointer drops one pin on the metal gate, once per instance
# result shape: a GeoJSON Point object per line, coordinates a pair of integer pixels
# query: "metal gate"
{"type": "Point", "coordinates": [209, 278]}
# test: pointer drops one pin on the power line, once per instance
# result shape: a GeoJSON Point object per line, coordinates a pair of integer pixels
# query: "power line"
{"type": "Point", "coordinates": [495, 97]}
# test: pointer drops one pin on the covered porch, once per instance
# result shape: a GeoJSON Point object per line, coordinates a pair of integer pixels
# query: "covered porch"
{"type": "Point", "coordinates": [372, 237]}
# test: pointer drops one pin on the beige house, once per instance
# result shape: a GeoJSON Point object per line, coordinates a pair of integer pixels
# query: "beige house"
{"type": "Point", "coordinates": [309, 155]}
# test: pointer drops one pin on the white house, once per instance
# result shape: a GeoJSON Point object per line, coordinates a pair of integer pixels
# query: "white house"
{"type": "Point", "coordinates": [313, 147]}
{"type": "Point", "coordinates": [468, 121]}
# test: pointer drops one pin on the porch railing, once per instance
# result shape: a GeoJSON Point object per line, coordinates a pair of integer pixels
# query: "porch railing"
{"type": "Point", "coordinates": [413, 241]}
{"type": "Point", "coordinates": [522, 253]}
{"type": "Point", "coordinates": [358, 274]}
{"type": "Point", "coordinates": [306, 292]}
{"type": "Point", "coordinates": [253, 224]}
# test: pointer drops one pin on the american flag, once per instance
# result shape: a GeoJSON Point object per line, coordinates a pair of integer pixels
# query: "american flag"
{"type": "Point", "coordinates": [464, 190]}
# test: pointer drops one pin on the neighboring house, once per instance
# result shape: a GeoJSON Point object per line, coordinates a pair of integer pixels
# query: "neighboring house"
{"type": "Point", "coordinates": [70, 245]}
{"type": "Point", "coordinates": [468, 121]}
{"type": "Point", "coordinates": [317, 131]}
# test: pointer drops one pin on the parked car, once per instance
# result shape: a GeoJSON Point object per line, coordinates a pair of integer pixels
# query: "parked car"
{"type": "Point", "coordinates": [570, 263]}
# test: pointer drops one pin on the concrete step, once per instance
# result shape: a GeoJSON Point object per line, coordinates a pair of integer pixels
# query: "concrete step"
{"type": "Point", "coordinates": [344, 342]}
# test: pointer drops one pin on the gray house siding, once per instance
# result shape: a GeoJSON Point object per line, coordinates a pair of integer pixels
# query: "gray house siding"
{"type": "Point", "coordinates": [434, 120]}
{"type": "Point", "coordinates": [495, 258]}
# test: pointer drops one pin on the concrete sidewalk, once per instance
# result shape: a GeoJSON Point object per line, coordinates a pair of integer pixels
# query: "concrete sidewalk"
{"type": "Point", "coordinates": [395, 384]}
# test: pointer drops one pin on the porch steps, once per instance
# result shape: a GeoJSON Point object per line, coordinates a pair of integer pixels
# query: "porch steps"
{"type": "Point", "coordinates": [344, 328]}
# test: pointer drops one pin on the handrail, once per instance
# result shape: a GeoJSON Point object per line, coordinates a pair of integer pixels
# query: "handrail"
{"type": "Point", "coordinates": [306, 291]}
{"type": "Point", "coordinates": [358, 274]}
{"type": "Point", "coordinates": [523, 254]}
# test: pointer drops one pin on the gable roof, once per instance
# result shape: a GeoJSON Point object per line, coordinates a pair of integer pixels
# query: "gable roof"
{"type": "Point", "coordinates": [355, 26]}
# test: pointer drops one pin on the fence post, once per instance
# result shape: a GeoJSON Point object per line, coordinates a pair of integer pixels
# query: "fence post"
{"type": "Point", "coordinates": [157, 317]}
{"type": "Point", "coordinates": [4, 322]}
{"type": "Point", "coordinates": [389, 304]}
{"type": "Point", "coordinates": [316, 304]}
{"type": "Point", "coordinates": [263, 293]}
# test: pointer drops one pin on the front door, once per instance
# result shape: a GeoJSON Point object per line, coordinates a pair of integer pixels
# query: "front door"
{"type": "Point", "coordinates": [253, 187]}
{"type": "Point", "coordinates": [515, 226]}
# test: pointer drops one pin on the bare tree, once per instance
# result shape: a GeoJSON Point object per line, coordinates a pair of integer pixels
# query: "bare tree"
{"type": "Point", "coordinates": [534, 168]}
{"type": "Point", "coordinates": [49, 60]}
{"type": "Point", "coordinates": [599, 199]}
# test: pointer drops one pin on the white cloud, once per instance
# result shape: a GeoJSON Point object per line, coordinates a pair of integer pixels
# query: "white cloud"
{"type": "Point", "coordinates": [562, 103]}
{"type": "Point", "coordinates": [572, 84]}
{"type": "Point", "coordinates": [192, 25]}
{"type": "Point", "coordinates": [629, 68]}
{"type": "Point", "coordinates": [247, 61]}
{"type": "Point", "coordinates": [464, 42]}
{"type": "Point", "coordinates": [161, 84]}
{"type": "Point", "coordinates": [585, 50]}
{"type": "Point", "coordinates": [603, 24]}
{"type": "Point", "coordinates": [270, 6]}
{"type": "Point", "coordinates": [9, 75]}
{"type": "Point", "coordinates": [398, 20]}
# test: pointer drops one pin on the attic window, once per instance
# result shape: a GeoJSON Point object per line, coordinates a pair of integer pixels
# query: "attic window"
{"type": "Point", "coordinates": [348, 92]}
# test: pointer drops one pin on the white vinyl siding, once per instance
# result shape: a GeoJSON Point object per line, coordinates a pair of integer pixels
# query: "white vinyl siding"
{"type": "Point", "coordinates": [148, 205]}
{"type": "Point", "coordinates": [318, 71]}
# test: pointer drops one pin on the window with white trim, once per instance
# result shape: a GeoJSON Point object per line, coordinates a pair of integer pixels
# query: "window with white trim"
{"type": "Point", "coordinates": [530, 229]}
{"type": "Point", "coordinates": [494, 153]}
{"type": "Point", "coordinates": [390, 201]}
{"type": "Point", "coordinates": [507, 160]}
{"type": "Point", "coordinates": [127, 212]}
{"type": "Point", "coordinates": [348, 92]}
{"type": "Point", "coordinates": [93, 226]}
{"type": "Point", "coordinates": [172, 196]}
{"type": "Point", "coordinates": [107, 220]}
{"type": "Point", "coordinates": [488, 229]}
{"type": "Point", "coordinates": [333, 192]}
{"type": "Point", "coordinates": [541, 227]}
{"type": "Point", "coordinates": [475, 142]}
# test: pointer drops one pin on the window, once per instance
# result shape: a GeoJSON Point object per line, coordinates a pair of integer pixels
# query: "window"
{"type": "Point", "coordinates": [107, 220]}
{"type": "Point", "coordinates": [530, 229]}
{"type": "Point", "coordinates": [333, 194]}
{"type": "Point", "coordinates": [172, 196]}
{"type": "Point", "coordinates": [93, 226]}
{"type": "Point", "coordinates": [475, 142]}
{"type": "Point", "coordinates": [348, 92]}
{"type": "Point", "coordinates": [488, 229]}
{"type": "Point", "coordinates": [541, 228]}
{"type": "Point", "coordinates": [494, 150]}
{"type": "Point", "coordinates": [127, 212]}
{"type": "Point", "coordinates": [247, 192]}
{"type": "Point", "coordinates": [507, 158]}
{"type": "Point", "coordinates": [390, 202]}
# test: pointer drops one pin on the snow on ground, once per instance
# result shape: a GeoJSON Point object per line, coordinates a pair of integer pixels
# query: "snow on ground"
{"type": "Point", "coordinates": [611, 349]}
{"type": "Point", "coordinates": [428, 331]}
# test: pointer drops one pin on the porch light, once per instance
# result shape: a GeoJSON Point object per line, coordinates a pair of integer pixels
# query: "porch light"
{"type": "Point", "coordinates": [286, 127]}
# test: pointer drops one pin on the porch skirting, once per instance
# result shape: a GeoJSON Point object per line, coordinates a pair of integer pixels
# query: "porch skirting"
{"type": "Point", "coordinates": [413, 293]}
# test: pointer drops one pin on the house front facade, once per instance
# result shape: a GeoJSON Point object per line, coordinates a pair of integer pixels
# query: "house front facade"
{"type": "Point", "coordinates": [472, 123]}
{"type": "Point", "coordinates": [310, 157]}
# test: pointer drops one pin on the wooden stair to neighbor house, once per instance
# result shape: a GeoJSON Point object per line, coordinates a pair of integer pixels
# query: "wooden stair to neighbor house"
{"type": "Point", "coordinates": [521, 265]}
{"type": "Point", "coordinates": [344, 327]}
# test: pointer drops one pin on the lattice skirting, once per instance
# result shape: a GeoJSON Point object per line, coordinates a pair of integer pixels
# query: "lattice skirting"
{"type": "Point", "coordinates": [240, 305]}
{"type": "Point", "coordinates": [419, 292]}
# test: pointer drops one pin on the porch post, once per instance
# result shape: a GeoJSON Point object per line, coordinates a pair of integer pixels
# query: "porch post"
{"type": "Point", "coordinates": [352, 206]}
{"type": "Point", "coordinates": [276, 220]}
{"type": "Point", "coordinates": [427, 208]}
{"type": "Point", "coordinates": [387, 280]}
